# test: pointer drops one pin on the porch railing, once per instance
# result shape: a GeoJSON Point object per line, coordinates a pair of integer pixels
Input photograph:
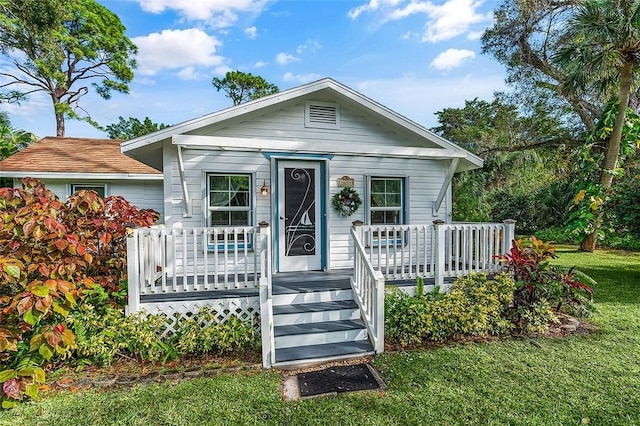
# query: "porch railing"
{"type": "Point", "coordinates": [368, 288]}
{"type": "Point", "coordinates": [439, 250]}
{"type": "Point", "coordinates": [162, 260]}
{"type": "Point", "coordinates": [406, 252]}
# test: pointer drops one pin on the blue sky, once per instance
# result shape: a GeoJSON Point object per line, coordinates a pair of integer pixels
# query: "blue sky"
{"type": "Point", "coordinates": [415, 57]}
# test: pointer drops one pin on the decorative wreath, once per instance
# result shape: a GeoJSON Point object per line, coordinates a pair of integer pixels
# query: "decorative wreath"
{"type": "Point", "coordinates": [347, 201]}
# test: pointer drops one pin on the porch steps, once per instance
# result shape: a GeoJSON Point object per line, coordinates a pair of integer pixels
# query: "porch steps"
{"type": "Point", "coordinates": [316, 319]}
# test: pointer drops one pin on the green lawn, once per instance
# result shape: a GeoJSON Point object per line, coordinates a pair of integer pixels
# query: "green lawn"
{"type": "Point", "coordinates": [592, 379]}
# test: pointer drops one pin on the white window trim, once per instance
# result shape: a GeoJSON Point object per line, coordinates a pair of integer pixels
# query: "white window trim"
{"type": "Point", "coordinates": [207, 209]}
{"type": "Point", "coordinates": [404, 208]}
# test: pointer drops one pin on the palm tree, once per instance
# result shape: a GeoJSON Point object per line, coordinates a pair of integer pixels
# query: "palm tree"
{"type": "Point", "coordinates": [603, 53]}
{"type": "Point", "coordinates": [12, 140]}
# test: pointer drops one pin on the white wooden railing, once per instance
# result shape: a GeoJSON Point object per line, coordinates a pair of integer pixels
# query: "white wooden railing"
{"type": "Point", "coordinates": [162, 260]}
{"type": "Point", "coordinates": [438, 250]}
{"type": "Point", "coordinates": [368, 288]}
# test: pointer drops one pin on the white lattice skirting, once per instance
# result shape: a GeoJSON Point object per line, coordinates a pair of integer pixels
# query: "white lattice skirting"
{"type": "Point", "coordinates": [245, 308]}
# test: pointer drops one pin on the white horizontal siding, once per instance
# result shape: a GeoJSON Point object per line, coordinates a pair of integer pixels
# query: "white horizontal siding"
{"type": "Point", "coordinates": [288, 124]}
{"type": "Point", "coordinates": [144, 194]}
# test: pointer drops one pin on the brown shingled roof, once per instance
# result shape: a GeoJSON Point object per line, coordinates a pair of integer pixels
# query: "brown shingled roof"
{"type": "Point", "coordinates": [74, 155]}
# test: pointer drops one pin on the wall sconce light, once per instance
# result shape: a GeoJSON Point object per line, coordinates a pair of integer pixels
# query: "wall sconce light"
{"type": "Point", "coordinates": [264, 190]}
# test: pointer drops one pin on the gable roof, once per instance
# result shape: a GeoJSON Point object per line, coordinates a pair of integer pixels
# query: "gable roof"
{"type": "Point", "coordinates": [61, 157]}
{"type": "Point", "coordinates": [329, 84]}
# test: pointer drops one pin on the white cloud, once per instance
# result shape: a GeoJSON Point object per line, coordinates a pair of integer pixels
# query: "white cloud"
{"type": "Point", "coordinates": [372, 6]}
{"type": "Point", "coordinates": [300, 78]}
{"type": "Point", "coordinates": [452, 58]}
{"type": "Point", "coordinates": [260, 64]}
{"type": "Point", "coordinates": [475, 35]}
{"type": "Point", "coordinates": [310, 45]}
{"type": "Point", "coordinates": [190, 73]}
{"type": "Point", "coordinates": [251, 32]}
{"type": "Point", "coordinates": [443, 21]}
{"type": "Point", "coordinates": [285, 58]}
{"type": "Point", "coordinates": [177, 50]}
{"type": "Point", "coordinates": [217, 13]}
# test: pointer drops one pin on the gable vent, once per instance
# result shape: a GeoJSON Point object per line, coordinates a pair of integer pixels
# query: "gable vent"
{"type": "Point", "coordinates": [322, 115]}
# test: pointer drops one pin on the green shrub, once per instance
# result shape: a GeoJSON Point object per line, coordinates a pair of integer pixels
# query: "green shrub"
{"type": "Point", "coordinates": [202, 334]}
{"type": "Point", "coordinates": [557, 235]}
{"type": "Point", "coordinates": [104, 334]}
{"type": "Point", "coordinates": [473, 307]}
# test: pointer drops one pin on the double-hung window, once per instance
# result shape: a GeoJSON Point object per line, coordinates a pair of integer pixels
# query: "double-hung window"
{"type": "Point", "coordinates": [386, 207]}
{"type": "Point", "coordinates": [229, 204]}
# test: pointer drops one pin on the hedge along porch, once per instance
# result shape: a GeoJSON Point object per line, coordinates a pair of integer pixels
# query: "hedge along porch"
{"type": "Point", "coordinates": [280, 161]}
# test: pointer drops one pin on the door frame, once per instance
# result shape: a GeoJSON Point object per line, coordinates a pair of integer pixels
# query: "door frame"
{"type": "Point", "coordinates": [323, 161]}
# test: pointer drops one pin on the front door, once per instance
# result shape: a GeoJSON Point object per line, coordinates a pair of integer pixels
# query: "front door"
{"type": "Point", "coordinates": [299, 233]}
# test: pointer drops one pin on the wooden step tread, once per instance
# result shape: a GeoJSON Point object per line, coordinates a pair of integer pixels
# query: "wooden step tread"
{"type": "Point", "coordinates": [318, 327]}
{"type": "Point", "coordinates": [314, 307]}
{"type": "Point", "coordinates": [327, 350]}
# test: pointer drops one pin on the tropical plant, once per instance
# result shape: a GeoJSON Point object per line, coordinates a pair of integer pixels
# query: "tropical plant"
{"type": "Point", "coordinates": [539, 286]}
{"type": "Point", "coordinates": [55, 46]}
{"type": "Point", "coordinates": [603, 53]}
{"type": "Point", "coordinates": [51, 252]}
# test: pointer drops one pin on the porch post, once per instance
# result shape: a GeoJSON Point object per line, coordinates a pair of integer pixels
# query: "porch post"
{"type": "Point", "coordinates": [439, 259]}
{"type": "Point", "coordinates": [509, 234]}
{"type": "Point", "coordinates": [266, 303]}
{"type": "Point", "coordinates": [133, 284]}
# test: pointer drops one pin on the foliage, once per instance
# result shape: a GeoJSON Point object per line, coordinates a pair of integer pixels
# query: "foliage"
{"type": "Point", "coordinates": [541, 287]}
{"type": "Point", "coordinates": [556, 235]}
{"type": "Point", "coordinates": [50, 253]}
{"type": "Point", "coordinates": [243, 87]}
{"type": "Point", "coordinates": [12, 140]}
{"type": "Point", "coordinates": [55, 46]}
{"type": "Point", "coordinates": [204, 333]}
{"type": "Point", "coordinates": [603, 53]}
{"type": "Point", "coordinates": [132, 128]}
{"type": "Point", "coordinates": [105, 334]}
{"type": "Point", "coordinates": [346, 202]}
{"type": "Point", "coordinates": [526, 162]}
{"type": "Point", "coordinates": [473, 307]}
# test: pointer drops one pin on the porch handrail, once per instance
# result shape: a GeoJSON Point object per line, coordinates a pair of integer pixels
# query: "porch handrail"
{"type": "Point", "coordinates": [368, 288]}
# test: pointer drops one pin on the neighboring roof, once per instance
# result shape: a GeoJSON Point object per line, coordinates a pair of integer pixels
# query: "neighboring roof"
{"type": "Point", "coordinates": [60, 157]}
{"type": "Point", "coordinates": [287, 95]}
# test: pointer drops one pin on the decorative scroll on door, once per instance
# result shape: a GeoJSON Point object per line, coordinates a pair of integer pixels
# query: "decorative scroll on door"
{"type": "Point", "coordinates": [300, 211]}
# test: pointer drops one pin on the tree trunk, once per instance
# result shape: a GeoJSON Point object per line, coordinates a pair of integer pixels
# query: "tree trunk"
{"type": "Point", "coordinates": [59, 124]}
{"type": "Point", "coordinates": [613, 150]}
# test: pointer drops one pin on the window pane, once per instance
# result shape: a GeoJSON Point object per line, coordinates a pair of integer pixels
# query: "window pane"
{"type": "Point", "coordinates": [220, 218]}
{"type": "Point", "coordinates": [377, 185]}
{"type": "Point", "coordinates": [393, 185]}
{"type": "Point", "coordinates": [392, 217]}
{"type": "Point", "coordinates": [239, 218]}
{"type": "Point", "coordinates": [240, 199]}
{"type": "Point", "coordinates": [220, 183]}
{"type": "Point", "coordinates": [393, 200]}
{"type": "Point", "coordinates": [219, 199]}
{"type": "Point", "coordinates": [377, 200]}
{"type": "Point", "coordinates": [377, 217]}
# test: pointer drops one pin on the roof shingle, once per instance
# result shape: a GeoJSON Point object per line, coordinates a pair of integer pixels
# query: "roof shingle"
{"type": "Point", "coordinates": [74, 155]}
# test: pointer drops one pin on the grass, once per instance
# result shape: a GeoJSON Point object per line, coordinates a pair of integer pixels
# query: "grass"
{"type": "Point", "coordinates": [588, 379]}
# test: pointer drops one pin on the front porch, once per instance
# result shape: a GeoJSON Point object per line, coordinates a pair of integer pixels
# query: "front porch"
{"type": "Point", "coordinates": [307, 316]}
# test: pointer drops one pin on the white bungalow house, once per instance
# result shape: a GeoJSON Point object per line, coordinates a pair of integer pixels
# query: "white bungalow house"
{"type": "Point", "coordinates": [66, 165]}
{"type": "Point", "coordinates": [260, 219]}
